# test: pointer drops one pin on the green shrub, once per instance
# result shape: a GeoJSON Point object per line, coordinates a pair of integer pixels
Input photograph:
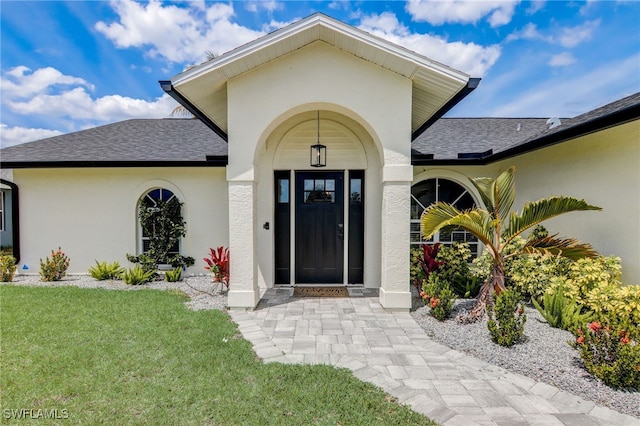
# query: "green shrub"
{"type": "Point", "coordinates": [7, 268]}
{"type": "Point", "coordinates": [437, 293]}
{"type": "Point", "coordinates": [584, 275]}
{"type": "Point", "coordinates": [455, 269]}
{"type": "Point", "coordinates": [611, 355]}
{"type": "Point", "coordinates": [529, 274]}
{"type": "Point", "coordinates": [506, 318]}
{"type": "Point", "coordinates": [137, 276]}
{"type": "Point", "coordinates": [106, 271]}
{"type": "Point", "coordinates": [532, 274]}
{"type": "Point", "coordinates": [595, 283]}
{"type": "Point", "coordinates": [561, 313]}
{"type": "Point", "coordinates": [173, 275]}
{"type": "Point", "coordinates": [54, 269]}
{"type": "Point", "coordinates": [146, 262]}
{"type": "Point", "coordinates": [416, 273]}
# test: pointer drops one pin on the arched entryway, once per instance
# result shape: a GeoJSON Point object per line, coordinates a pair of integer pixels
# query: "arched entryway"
{"type": "Point", "coordinates": [320, 216]}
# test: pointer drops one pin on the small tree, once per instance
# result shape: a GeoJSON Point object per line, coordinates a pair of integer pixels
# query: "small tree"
{"type": "Point", "coordinates": [496, 226]}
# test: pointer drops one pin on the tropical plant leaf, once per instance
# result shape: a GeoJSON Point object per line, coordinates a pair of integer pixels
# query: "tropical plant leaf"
{"type": "Point", "coordinates": [484, 185]}
{"type": "Point", "coordinates": [442, 215]}
{"type": "Point", "coordinates": [570, 248]}
{"type": "Point", "coordinates": [536, 212]}
{"type": "Point", "coordinates": [504, 193]}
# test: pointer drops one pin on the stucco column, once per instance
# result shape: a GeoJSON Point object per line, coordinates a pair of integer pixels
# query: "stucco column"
{"type": "Point", "coordinates": [243, 287]}
{"type": "Point", "coordinates": [395, 294]}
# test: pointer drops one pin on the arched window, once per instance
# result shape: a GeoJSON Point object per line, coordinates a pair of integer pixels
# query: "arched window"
{"type": "Point", "coordinates": [427, 192]}
{"type": "Point", "coordinates": [154, 202]}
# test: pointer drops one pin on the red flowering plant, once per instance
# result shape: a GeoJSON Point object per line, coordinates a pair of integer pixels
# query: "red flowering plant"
{"type": "Point", "coordinates": [611, 355]}
{"type": "Point", "coordinates": [54, 268]}
{"type": "Point", "coordinates": [423, 262]}
{"type": "Point", "coordinates": [218, 263]}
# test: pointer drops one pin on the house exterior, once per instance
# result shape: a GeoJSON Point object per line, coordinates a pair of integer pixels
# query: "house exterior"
{"type": "Point", "coordinates": [243, 168]}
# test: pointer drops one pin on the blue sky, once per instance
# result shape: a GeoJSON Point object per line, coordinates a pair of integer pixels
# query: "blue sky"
{"type": "Point", "coordinates": [68, 66]}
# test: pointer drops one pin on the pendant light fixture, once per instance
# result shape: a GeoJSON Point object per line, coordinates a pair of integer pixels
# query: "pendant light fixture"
{"type": "Point", "coordinates": [318, 154]}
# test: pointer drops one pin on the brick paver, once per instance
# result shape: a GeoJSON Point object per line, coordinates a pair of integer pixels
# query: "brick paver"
{"type": "Point", "coordinates": [391, 351]}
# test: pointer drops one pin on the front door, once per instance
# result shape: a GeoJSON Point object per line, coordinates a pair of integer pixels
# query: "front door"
{"type": "Point", "coordinates": [319, 222]}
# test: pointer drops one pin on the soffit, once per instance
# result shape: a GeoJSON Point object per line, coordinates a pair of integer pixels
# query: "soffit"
{"type": "Point", "coordinates": [205, 85]}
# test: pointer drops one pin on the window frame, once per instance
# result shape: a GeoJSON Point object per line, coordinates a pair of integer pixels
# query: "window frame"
{"type": "Point", "coordinates": [142, 239]}
{"type": "Point", "coordinates": [458, 235]}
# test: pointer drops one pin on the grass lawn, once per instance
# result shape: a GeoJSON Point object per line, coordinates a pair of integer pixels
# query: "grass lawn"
{"type": "Point", "coordinates": [132, 357]}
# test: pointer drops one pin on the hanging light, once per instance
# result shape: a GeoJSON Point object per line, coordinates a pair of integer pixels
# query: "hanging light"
{"type": "Point", "coordinates": [318, 154]}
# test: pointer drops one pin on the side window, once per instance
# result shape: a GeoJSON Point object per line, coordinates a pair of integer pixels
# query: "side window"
{"type": "Point", "coordinates": [1, 210]}
{"type": "Point", "coordinates": [152, 205]}
{"type": "Point", "coordinates": [429, 191]}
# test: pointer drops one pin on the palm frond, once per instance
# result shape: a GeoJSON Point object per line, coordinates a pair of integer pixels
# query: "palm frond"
{"type": "Point", "coordinates": [445, 216]}
{"type": "Point", "coordinates": [484, 186]}
{"type": "Point", "coordinates": [498, 194]}
{"type": "Point", "coordinates": [570, 248]}
{"type": "Point", "coordinates": [536, 212]}
{"type": "Point", "coordinates": [180, 111]}
{"type": "Point", "coordinates": [505, 193]}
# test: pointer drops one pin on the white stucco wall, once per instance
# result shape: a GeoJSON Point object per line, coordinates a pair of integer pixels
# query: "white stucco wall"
{"type": "Point", "coordinates": [91, 212]}
{"type": "Point", "coordinates": [604, 169]}
{"type": "Point", "coordinates": [262, 107]}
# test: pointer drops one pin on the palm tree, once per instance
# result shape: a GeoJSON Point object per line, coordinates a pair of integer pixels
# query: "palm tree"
{"type": "Point", "coordinates": [497, 226]}
{"type": "Point", "coordinates": [180, 110]}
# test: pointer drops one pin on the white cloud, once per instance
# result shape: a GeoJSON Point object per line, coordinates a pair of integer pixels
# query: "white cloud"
{"type": "Point", "coordinates": [528, 32]}
{"type": "Point", "coordinates": [497, 12]}
{"type": "Point", "coordinates": [79, 105]}
{"type": "Point", "coordinates": [562, 60]}
{"type": "Point", "coordinates": [176, 33]}
{"type": "Point", "coordinates": [570, 37]}
{"type": "Point", "coordinates": [48, 94]}
{"type": "Point", "coordinates": [567, 37]}
{"type": "Point", "coordinates": [10, 136]}
{"type": "Point", "coordinates": [21, 82]}
{"type": "Point", "coordinates": [569, 95]}
{"type": "Point", "coordinates": [268, 5]}
{"type": "Point", "coordinates": [535, 6]}
{"type": "Point", "coordinates": [471, 58]}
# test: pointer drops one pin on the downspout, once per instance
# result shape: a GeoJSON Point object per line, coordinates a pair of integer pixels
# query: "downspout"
{"type": "Point", "coordinates": [15, 218]}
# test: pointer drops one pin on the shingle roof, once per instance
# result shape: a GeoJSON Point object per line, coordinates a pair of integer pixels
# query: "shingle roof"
{"type": "Point", "coordinates": [175, 142]}
{"type": "Point", "coordinates": [449, 137]}
{"type": "Point", "coordinates": [170, 141]}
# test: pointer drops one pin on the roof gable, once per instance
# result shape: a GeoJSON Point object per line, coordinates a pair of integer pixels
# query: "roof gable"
{"type": "Point", "coordinates": [203, 88]}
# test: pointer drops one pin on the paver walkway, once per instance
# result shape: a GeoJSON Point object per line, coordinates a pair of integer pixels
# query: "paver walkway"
{"type": "Point", "coordinates": [392, 351]}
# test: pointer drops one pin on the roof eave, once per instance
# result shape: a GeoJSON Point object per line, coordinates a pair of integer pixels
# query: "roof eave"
{"type": "Point", "coordinates": [598, 124]}
{"type": "Point", "coordinates": [617, 118]}
{"type": "Point", "coordinates": [167, 86]}
{"type": "Point", "coordinates": [471, 85]}
{"type": "Point", "coordinates": [211, 161]}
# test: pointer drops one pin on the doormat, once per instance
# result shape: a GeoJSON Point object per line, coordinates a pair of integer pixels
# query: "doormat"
{"type": "Point", "coordinates": [320, 292]}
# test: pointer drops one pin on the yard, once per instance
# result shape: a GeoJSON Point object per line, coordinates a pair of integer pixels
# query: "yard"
{"type": "Point", "coordinates": [100, 356]}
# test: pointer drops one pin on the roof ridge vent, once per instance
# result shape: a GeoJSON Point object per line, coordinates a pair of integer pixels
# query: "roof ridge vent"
{"type": "Point", "coordinates": [553, 122]}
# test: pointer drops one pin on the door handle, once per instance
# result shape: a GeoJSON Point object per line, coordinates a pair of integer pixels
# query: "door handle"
{"type": "Point", "coordinates": [341, 231]}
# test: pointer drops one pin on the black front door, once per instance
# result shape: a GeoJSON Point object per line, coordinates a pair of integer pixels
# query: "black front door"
{"type": "Point", "coordinates": [319, 227]}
